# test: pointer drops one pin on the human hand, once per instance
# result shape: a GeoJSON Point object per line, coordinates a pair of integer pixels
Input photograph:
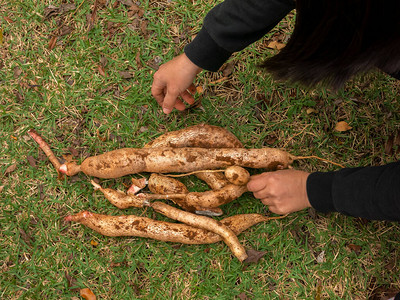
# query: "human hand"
{"type": "Point", "coordinates": [173, 82]}
{"type": "Point", "coordinates": [284, 191]}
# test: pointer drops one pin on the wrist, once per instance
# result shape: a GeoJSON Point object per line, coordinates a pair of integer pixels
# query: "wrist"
{"type": "Point", "coordinates": [191, 65]}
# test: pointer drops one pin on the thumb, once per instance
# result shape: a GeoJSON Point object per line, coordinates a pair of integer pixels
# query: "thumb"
{"type": "Point", "coordinates": [256, 183]}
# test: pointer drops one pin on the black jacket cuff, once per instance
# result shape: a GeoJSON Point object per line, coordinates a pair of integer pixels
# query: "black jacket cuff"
{"type": "Point", "coordinates": [205, 53]}
{"type": "Point", "coordinates": [319, 191]}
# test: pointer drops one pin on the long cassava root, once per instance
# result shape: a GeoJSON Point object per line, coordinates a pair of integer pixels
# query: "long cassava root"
{"type": "Point", "coordinates": [130, 225]}
{"type": "Point", "coordinates": [121, 162]}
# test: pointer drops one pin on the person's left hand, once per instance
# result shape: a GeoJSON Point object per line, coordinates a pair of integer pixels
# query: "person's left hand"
{"type": "Point", "coordinates": [284, 191]}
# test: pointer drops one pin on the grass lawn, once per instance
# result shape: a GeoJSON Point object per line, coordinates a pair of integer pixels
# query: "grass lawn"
{"type": "Point", "coordinates": [82, 76]}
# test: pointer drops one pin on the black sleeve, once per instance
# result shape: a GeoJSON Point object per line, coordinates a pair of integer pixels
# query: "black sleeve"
{"type": "Point", "coordinates": [233, 25]}
{"type": "Point", "coordinates": [369, 192]}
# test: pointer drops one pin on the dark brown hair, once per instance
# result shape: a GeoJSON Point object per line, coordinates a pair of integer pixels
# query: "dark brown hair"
{"type": "Point", "coordinates": [336, 39]}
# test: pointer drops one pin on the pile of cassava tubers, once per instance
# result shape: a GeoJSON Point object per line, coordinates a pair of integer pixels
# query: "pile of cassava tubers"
{"type": "Point", "coordinates": [211, 153]}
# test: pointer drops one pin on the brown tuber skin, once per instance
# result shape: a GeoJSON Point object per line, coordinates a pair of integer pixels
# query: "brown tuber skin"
{"type": "Point", "coordinates": [203, 136]}
{"type": "Point", "coordinates": [120, 199]}
{"type": "Point", "coordinates": [159, 184]}
{"type": "Point", "coordinates": [163, 231]}
{"type": "Point", "coordinates": [126, 161]}
{"type": "Point", "coordinates": [237, 175]}
{"type": "Point", "coordinates": [215, 180]}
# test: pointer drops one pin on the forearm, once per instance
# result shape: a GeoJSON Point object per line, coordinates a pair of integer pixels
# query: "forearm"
{"type": "Point", "coordinates": [233, 25]}
{"type": "Point", "coordinates": [369, 192]}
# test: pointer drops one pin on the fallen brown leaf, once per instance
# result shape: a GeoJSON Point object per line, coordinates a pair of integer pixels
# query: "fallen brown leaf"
{"type": "Point", "coordinates": [127, 2]}
{"type": "Point", "coordinates": [137, 60]}
{"type": "Point", "coordinates": [10, 169]}
{"type": "Point", "coordinates": [87, 294]}
{"type": "Point", "coordinates": [275, 45]}
{"type": "Point", "coordinates": [92, 17]}
{"type": "Point", "coordinates": [342, 126]}
{"type": "Point", "coordinates": [31, 160]}
{"type": "Point", "coordinates": [102, 71]}
{"type": "Point", "coordinates": [228, 69]}
{"type": "Point", "coordinates": [125, 74]}
{"type": "Point", "coordinates": [9, 20]}
{"type": "Point", "coordinates": [17, 72]}
{"type": "Point", "coordinates": [143, 29]}
{"type": "Point", "coordinates": [70, 280]}
{"type": "Point", "coordinates": [66, 7]}
{"type": "Point", "coordinates": [389, 145]}
{"type": "Point", "coordinates": [243, 296]}
{"type": "Point", "coordinates": [254, 256]}
{"type": "Point", "coordinates": [73, 151]}
{"type": "Point", "coordinates": [355, 248]}
{"type": "Point", "coordinates": [26, 237]}
{"type": "Point", "coordinates": [52, 42]}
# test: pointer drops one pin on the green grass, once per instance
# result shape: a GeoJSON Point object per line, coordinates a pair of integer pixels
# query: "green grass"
{"type": "Point", "coordinates": [62, 94]}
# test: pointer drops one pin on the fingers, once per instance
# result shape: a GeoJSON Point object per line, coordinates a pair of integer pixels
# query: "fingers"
{"type": "Point", "coordinates": [172, 101]}
{"type": "Point", "coordinates": [158, 93]}
{"type": "Point", "coordinates": [256, 183]}
{"type": "Point", "coordinates": [187, 97]}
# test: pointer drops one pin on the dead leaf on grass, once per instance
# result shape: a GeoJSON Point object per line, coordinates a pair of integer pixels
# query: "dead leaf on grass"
{"type": "Point", "coordinates": [228, 69]}
{"type": "Point", "coordinates": [135, 9]}
{"type": "Point", "coordinates": [66, 7]}
{"type": "Point", "coordinates": [102, 71]}
{"type": "Point", "coordinates": [243, 296]}
{"type": "Point", "coordinates": [65, 30]}
{"type": "Point", "coordinates": [26, 237]}
{"type": "Point", "coordinates": [73, 151]}
{"type": "Point", "coordinates": [254, 256]}
{"type": "Point", "coordinates": [9, 20]}
{"type": "Point", "coordinates": [87, 294]}
{"type": "Point", "coordinates": [52, 10]}
{"type": "Point", "coordinates": [355, 248]}
{"type": "Point", "coordinates": [125, 74]}
{"type": "Point", "coordinates": [17, 72]}
{"type": "Point", "coordinates": [275, 45]}
{"type": "Point", "coordinates": [92, 16]}
{"type": "Point", "coordinates": [389, 145]}
{"type": "Point", "coordinates": [70, 280]}
{"type": "Point", "coordinates": [10, 169]}
{"type": "Point", "coordinates": [137, 60]}
{"type": "Point", "coordinates": [31, 160]}
{"type": "Point", "coordinates": [127, 2]}
{"type": "Point", "coordinates": [52, 42]}
{"type": "Point", "coordinates": [321, 257]}
{"type": "Point", "coordinates": [342, 126]}
{"type": "Point", "coordinates": [143, 29]}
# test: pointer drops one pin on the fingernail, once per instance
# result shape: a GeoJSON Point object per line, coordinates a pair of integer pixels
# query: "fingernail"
{"type": "Point", "coordinates": [166, 110]}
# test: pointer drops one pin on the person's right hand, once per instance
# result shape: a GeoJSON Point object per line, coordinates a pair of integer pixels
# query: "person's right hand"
{"type": "Point", "coordinates": [174, 81]}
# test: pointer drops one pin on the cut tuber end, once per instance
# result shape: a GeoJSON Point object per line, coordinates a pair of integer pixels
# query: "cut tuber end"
{"type": "Point", "coordinates": [137, 185]}
{"type": "Point", "coordinates": [69, 169]}
{"type": "Point", "coordinates": [78, 217]}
